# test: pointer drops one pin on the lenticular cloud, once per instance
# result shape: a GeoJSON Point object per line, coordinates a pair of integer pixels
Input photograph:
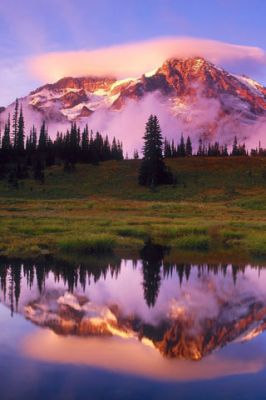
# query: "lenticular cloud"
{"type": "Point", "coordinates": [136, 58]}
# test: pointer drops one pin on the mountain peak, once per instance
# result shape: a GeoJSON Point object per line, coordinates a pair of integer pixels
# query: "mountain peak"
{"type": "Point", "coordinates": [88, 83]}
{"type": "Point", "coordinates": [200, 95]}
{"type": "Point", "coordinates": [187, 63]}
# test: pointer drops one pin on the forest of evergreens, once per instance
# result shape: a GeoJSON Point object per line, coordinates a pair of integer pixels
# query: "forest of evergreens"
{"type": "Point", "coordinates": [26, 154]}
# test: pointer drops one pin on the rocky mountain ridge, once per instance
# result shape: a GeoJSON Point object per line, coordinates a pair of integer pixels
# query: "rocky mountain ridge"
{"type": "Point", "coordinates": [201, 97]}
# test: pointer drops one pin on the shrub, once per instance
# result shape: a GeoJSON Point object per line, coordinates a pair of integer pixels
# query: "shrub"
{"type": "Point", "coordinates": [257, 245]}
{"type": "Point", "coordinates": [193, 242]}
{"type": "Point", "coordinates": [100, 243]}
{"type": "Point", "coordinates": [129, 231]}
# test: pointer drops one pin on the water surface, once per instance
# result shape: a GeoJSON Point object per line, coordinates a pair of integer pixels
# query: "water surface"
{"type": "Point", "coordinates": [124, 329]}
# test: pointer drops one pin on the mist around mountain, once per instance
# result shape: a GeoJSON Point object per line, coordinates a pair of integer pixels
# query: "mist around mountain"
{"type": "Point", "coordinates": [190, 96]}
{"type": "Point", "coordinates": [211, 307]}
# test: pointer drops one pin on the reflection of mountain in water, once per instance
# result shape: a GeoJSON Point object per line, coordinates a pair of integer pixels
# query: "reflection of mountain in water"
{"type": "Point", "coordinates": [178, 335]}
{"type": "Point", "coordinates": [184, 311]}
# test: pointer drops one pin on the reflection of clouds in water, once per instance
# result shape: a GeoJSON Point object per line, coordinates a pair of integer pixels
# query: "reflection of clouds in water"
{"type": "Point", "coordinates": [210, 309]}
{"type": "Point", "coordinates": [132, 357]}
{"type": "Point", "coordinates": [199, 297]}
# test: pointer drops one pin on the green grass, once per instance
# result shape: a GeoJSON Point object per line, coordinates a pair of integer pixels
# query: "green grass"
{"type": "Point", "coordinates": [101, 243]}
{"type": "Point", "coordinates": [256, 244]}
{"type": "Point", "coordinates": [218, 204]}
{"type": "Point", "coordinates": [193, 242]}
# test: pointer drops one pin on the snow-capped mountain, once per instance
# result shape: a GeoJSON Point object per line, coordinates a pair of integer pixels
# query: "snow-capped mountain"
{"type": "Point", "coordinates": [202, 98]}
{"type": "Point", "coordinates": [176, 336]}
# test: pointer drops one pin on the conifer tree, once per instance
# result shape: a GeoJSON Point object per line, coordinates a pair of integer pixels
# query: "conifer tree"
{"type": "Point", "coordinates": [119, 150]}
{"type": "Point", "coordinates": [85, 145]}
{"type": "Point", "coordinates": [173, 149]}
{"type": "Point", "coordinates": [42, 138]}
{"type": "Point", "coordinates": [114, 149]}
{"type": "Point", "coordinates": [235, 147]}
{"type": "Point", "coordinates": [167, 149]}
{"type": "Point", "coordinates": [73, 144]}
{"type": "Point", "coordinates": [201, 148]}
{"type": "Point", "coordinates": [6, 141]}
{"type": "Point", "coordinates": [181, 150]}
{"type": "Point", "coordinates": [153, 170]}
{"type": "Point", "coordinates": [20, 133]}
{"type": "Point", "coordinates": [188, 147]}
{"type": "Point", "coordinates": [136, 155]}
{"type": "Point", "coordinates": [106, 152]}
{"type": "Point", "coordinates": [224, 151]}
{"type": "Point", "coordinates": [34, 138]}
{"type": "Point", "coordinates": [15, 125]}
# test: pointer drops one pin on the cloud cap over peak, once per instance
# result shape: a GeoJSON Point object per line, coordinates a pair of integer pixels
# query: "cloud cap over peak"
{"type": "Point", "coordinates": [134, 59]}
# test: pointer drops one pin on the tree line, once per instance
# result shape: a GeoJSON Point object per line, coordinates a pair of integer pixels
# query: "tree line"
{"type": "Point", "coordinates": [185, 149]}
{"type": "Point", "coordinates": [153, 170]}
{"type": "Point", "coordinates": [153, 267]}
{"type": "Point", "coordinates": [19, 152]}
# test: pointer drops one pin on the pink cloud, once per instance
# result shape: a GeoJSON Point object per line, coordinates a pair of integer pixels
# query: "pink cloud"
{"type": "Point", "coordinates": [136, 58]}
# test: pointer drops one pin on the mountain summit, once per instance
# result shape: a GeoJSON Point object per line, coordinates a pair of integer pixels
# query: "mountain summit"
{"type": "Point", "coordinates": [203, 98]}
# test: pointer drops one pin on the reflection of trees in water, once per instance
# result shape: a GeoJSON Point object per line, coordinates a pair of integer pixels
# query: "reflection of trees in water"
{"type": "Point", "coordinates": [71, 276]}
{"type": "Point", "coordinates": [182, 270]}
{"type": "Point", "coordinates": [154, 270]}
{"type": "Point", "coordinates": [151, 258]}
{"type": "Point", "coordinates": [16, 273]}
{"type": "Point", "coordinates": [11, 276]}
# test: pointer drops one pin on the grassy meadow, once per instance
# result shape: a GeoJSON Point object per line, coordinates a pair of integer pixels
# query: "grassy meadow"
{"type": "Point", "coordinates": [217, 208]}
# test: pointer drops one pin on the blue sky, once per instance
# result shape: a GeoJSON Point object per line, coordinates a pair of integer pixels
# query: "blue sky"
{"type": "Point", "coordinates": [30, 28]}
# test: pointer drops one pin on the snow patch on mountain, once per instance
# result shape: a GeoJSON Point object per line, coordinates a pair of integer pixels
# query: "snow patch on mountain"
{"type": "Point", "coordinates": [151, 73]}
{"type": "Point", "coordinates": [251, 84]}
{"type": "Point", "coordinates": [190, 95]}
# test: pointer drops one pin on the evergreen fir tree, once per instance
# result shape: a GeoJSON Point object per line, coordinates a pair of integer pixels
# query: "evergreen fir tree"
{"type": "Point", "coordinates": [116, 150]}
{"type": "Point", "coordinates": [201, 148]}
{"type": "Point", "coordinates": [136, 155]}
{"type": "Point", "coordinates": [85, 145]}
{"type": "Point", "coordinates": [20, 133]}
{"type": "Point", "coordinates": [15, 125]}
{"type": "Point", "coordinates": [167, 149]}
{"type": "Point", "coordinates": [153, 170]}
{"type": "Point", "coordinates": [188, 147]}
{"type": "Point", "coordinates": [33, 139]}
{"type": "Point", "coordinates": [173, 150]}
{"type": "Point", "coordinates": [42, 138]}
{"type": "Point", "coordinates": [106, 154]}
{"type": "Point", "coordinates": [181, 150]}
{"type": "Point", "coordinates": [224, 151]}
{"type": "Point", "coordinates": [50, 153]}
{"type": "Point", "coordinates": [6, 141]}
{"type": "Point", "coordinates": [119, 150]}
{"type": "Point", "coordinates": [73, 144]}
{"type": "Point", "coordinates": [235, 147]}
